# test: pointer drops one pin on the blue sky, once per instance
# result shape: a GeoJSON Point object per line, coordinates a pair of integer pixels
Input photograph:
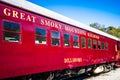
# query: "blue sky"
{"type": "Point", "coordinates": [104, 12]}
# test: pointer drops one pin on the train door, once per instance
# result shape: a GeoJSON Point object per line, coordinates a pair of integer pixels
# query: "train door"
{"type": "Point", "coordinates": [118, 54]}
{"type": "Point", "coordinates": [118, 45]}
{"type": "Point", "coordinates": [118, 49]}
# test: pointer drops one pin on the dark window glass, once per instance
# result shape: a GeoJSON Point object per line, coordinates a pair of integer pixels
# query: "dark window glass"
{"type": "Point", "coordinates": [41, 32]}
{"type": "Point", "coordinates": [103, 45]}
{"type": "Point", "coordinates": [75, 42]}
{"type": "Point", "coordinates": [94, 44]}
{"type": "Point", "coordinates": [83, 42]}
{"type": "Point", "coordinates": [55, 38]}
{"type": "Point", "coordinates": [11, 32]}
{"type": "Point", "coordinates": [40, 36]}
{"type": "Point", "coordinates": [66, 40]}
{"type": "Point", "coordinates": [106, 46]}
{"type": "Point", "coordinates": [10, 26]}
{"type": "Point", "coordinates": [89, 43]}
{"type": "Point", "coordinates": [99, 45]}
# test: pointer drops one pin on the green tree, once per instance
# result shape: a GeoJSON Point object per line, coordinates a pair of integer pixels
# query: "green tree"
{"type": "Point", "coordinates": [95, 25]}
{"type": "Point", "coordinates": [98, 26]}
{"type": "Point", "coordinates": [110, 29]}
{"type": "Point", "coordinates": [118, 30]}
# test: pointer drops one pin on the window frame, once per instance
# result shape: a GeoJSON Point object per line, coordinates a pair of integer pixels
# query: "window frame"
{"type": "Point", "coordinates": [10, 31]}
{"type": "Point", "coordinates": [106, 45]}
{"type": "Point", "coordinates": [76, 41]}
{"type": "Point", "coordinates": [55, 38]}
{"type": "Point", "coordinates": [41, 36]}
{"type": "Point", "coordinates": [90, 43]}
{"type": "Point", "coordinates": [94, 44]}
{"type": "Point", "coordinates": [102, 45]}
{"type": "Point", "coordinates": [69, 40]}
{"type": "Point", "coordinates": [83, 38]}
{"type": "Point", "coordinates": [99, 45]}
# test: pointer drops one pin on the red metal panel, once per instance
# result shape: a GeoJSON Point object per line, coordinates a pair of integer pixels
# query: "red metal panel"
{"type": "Point", "coordinates": [27, 57]}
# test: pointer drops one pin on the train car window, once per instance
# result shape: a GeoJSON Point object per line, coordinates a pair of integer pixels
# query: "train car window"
{"type": "Point", "coordinates": [106, 46]}
{"type": "Point", "coordinates": [99, 45]}
{"type": "Point", "coordinates": [40, 36]}
{"type": "Point", "coordinates": [11, 32]}
{"type": "Point", "coordinates": [55, 38]}
{"type": "Point", "coordinates": [83, 42]}
{"type": "Point", "coordinates": [75, 42]}
{"type": "Point", "coordinates": [94, 44]}
{"type": "Point", "coordinates": [66, 40]}
{"type": "Point", "coordinates": [89, 43]}
{"type": "Point", "coordinates": [103, 45]}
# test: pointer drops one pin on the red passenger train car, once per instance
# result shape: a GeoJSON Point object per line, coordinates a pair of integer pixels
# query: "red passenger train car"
{"type": "Point", "coordinates": [38, 43]}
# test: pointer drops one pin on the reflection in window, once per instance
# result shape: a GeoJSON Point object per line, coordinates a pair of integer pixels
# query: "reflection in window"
{"type": "Point", "coordinates": [99, 45]}
{"type": "Point", "coordinates": [55, 38]}
{"type": "Point", "coordinates": [66, 40]}
{"type": "Point", "coordinates": [89, 43]}
{"type": "Point", "coordinates": [83, 42]}
{"type": "Point", "coordinates": [40, 36]}
{"type": "Point", "coordinates": [10, 26]}
{"type": "Point", "coordinates": [75, 41]}
{"type": "Point", "coordinates": [12, 37]}
{"type": "Point", "coordinates": [11, 32]}
{"type": "Point", "coordinates": [94, 44]}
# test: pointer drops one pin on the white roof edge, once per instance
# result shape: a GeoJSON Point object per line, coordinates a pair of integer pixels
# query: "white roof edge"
{"type": "Point", "coordinates": [48, 13]}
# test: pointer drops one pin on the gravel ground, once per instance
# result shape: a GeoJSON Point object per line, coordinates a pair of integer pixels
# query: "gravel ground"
{"type": "Point", "coordinates": [112, 75]}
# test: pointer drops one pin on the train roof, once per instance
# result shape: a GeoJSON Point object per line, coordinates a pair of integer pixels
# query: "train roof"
{"type": "Point", "coordinates": [48, 13]}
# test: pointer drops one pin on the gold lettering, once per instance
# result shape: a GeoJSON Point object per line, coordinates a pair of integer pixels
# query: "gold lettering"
{"type": "Point", "coordinates": [33, 18]}
{"type": "Point", "coordinates": [28, 18]}
{"type": "Point", "coordinates": [75, 30]}
{"type": "Point", "coordinates": [56, 25]}
{"type": "Point", "coordinates": [47, 23]}
{"type": "Point", "coordinates": [42, 21]}
{"type": "Point", "coordinates": [65, 60]}
{"type": "Point", "coordinates": [72, 60]}
{"type": "Point", "coordinates": [60, 27]}
{"type": "Point", "coordinates": [52, 24]}
{"type": "Point", "coordinates": [6, 11]}
{"type": "Point", "coordinates": [22, 16]}
{"type": "Point", "coordinates": [15, 14]}
{"type": "Point", "coordinates": [93, 35]}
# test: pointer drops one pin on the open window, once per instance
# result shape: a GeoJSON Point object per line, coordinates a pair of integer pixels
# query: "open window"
{"type": "Point", "coordinates": [11, 31]}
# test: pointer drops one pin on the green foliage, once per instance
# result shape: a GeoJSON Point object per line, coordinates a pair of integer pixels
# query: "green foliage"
{"type": "Point", "coordinates": [110, 29]}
